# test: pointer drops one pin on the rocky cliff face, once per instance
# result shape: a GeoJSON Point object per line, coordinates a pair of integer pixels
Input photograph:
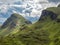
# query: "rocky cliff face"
{"type": "Point", "coordinates": [59, 5]}
{"type": "Point", "coordinates": [46, 13]}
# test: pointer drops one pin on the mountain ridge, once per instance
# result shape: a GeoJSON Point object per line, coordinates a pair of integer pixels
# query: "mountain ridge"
{"type": "Point", "coordinates": [14, 17]}
{"type": "Point", "coordinates": [14, 23]}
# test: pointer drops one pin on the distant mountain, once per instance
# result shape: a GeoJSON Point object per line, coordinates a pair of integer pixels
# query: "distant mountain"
{"type": "Point", "coordinates": [13, 22]}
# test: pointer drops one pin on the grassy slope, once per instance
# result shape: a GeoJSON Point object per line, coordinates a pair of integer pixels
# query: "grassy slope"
{"type": "Point", "coordinates": [55, 10]}
{"type": "Point", "coordinates": [40, 33]}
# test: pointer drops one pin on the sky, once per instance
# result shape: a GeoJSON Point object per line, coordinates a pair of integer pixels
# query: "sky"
{"type": "Point", "coordinates": [30, 9]}
{"type": "Point", "coordinates": [55, 1]}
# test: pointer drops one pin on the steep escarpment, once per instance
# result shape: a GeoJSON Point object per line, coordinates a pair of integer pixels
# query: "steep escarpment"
{"type": "Point", "coordinates": [50, 13]}
{"type": "Point", "coordinates": [45, 14]}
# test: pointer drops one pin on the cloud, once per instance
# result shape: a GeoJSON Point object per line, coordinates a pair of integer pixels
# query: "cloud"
{"type": "Point", "coordinates": [2, 19]}
{"type": "Point", "coordinates": [22, 6]}
{"type": "Point", "coordinates": [4, 8]}
{"type": "Point", "coordinates": [8, 1]}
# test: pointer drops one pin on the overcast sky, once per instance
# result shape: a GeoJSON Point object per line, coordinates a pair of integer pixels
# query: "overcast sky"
{"type": "Point", "coordinates": [11, 1]}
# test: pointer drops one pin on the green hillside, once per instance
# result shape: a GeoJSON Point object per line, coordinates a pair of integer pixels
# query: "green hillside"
{"type": "Point", "coordinates": [44, 32]}
{"type": "Point", "coordinates": [13, 24]}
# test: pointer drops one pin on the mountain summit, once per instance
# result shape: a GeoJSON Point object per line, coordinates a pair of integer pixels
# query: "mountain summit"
{"type": "Point", "coordinates": [13, 24]}
{"type": "Point", "coordinates": [52, 13]}
{"type": "Point", "coordinates": [15, 20]}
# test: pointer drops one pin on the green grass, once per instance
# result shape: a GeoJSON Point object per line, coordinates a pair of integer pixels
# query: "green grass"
{"type": "Point", "coordinates": [56, 10]}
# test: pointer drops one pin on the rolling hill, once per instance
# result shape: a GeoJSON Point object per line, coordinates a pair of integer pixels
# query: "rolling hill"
{"type": "Point", "coordinates": [44, 32]}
